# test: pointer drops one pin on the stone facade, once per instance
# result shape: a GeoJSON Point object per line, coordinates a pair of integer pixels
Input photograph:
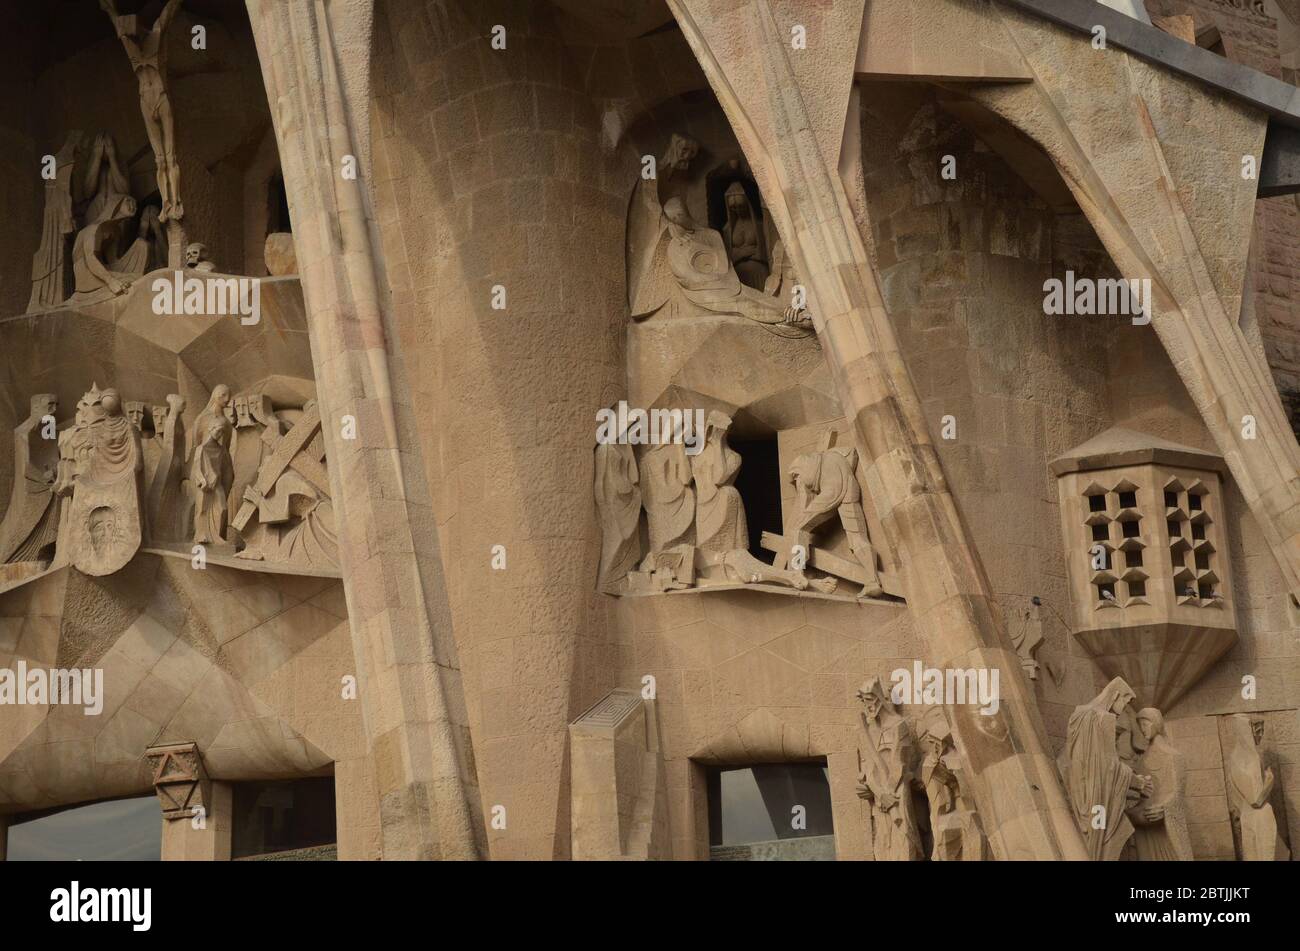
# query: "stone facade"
{"type": "Point", "coordinates": [655, 429]}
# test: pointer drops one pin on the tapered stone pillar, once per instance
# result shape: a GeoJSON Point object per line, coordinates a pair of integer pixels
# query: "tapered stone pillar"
{"type": "Point", "coordinates": [408, 671]}
{"type": "Point", "coordinates": [788, 107]}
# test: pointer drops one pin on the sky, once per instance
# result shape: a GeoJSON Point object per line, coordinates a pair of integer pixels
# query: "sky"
{"type": "Point", "coordinates": [125, 830]}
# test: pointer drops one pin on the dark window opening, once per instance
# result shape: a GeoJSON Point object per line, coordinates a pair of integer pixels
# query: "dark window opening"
{"type": "Point", "coordinates": [1205, 590]}
{"type": "Point", "coordinates": [1100, 532]}
{"type": "Point", "coordinates": [1194, 503]}
{"type": "Point", "coordinates": [1175, 530]}
{"type": "Point", "coordinates": [1096, 503]}
{"type": "Point", "coordinates": [1198, 532]}
{"type": "Point", "coordinates": [277, 206]}
{"type": "Point", "coordinates": [759, 485]}
{"type": "Point", "coordinates": [770, 804]}
{"type": "Point", "coordinates": [1133, 559]}
{"type": "Point", "coordinates": [1202, 561]}
{"type": "Point", "coordinates": [1128, 500]}
{"type": "Point", "coordinates": [1171, 500]}
{"type": "Point", "coordinates": [1137, 589]}
{"type": "Point", "coordinates": [282, 816]}
{"type": "Point", "coordinates": [1106, 591]}
{"type": "Point", "coordinates": [1131, 529]}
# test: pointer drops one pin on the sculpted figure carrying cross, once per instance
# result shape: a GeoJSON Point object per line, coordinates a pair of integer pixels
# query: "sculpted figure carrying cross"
{"type": "Point", "coordinates": [148, 59]}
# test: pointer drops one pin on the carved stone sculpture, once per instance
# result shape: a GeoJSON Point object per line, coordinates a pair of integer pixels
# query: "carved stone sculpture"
{"type": "Point", "coordinates": [743, 238]}
{"type": "Point", "coordinates": [31, 523]}
{"type": "Point", "coordinates": [149, 250]}
{"type": "Point", "coordinates": [1250, 783]}
{"type": "Point", "coordinates": [697, 258]}
{"type": "Point", "coordinates": [1100, 785]}
{"type": "Point", "coordinates": [671, 257]}
{"type": "Point", "coordinates": [887, 767]}
{"type": "Point", "coordinates": [148, 56]}
{"type": "Point", "coordinates": [954, 825]}
{"type": "Point", "coordinates": [668, 496]}
{"type": "Point", "coordinates": [291, 498]}
{"type": "Point", "coordinates": [1160, 822]}
{"type": "Point", "coordinates": [164, 495]}
{"type": "Point", "coordinates": [102, 460]}
{"type": "Point", "coordinates": [618, 502]}
{"type": "Point", "coordinates": [49, 277]}
{"type": "Point", "coordinates": [719, 512]}
{"type": "Point", "coordinates": [196, 257]}
{"type": "Point", "coordinates": [826, 487]}
{"type": "Point", "coordinates": [211, 470]}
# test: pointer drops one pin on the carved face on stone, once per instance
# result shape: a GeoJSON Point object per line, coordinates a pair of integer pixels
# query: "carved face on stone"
{"type": "Point", "coordinates": [1151, 722]}
{"type": "Point", "coordinates": [159, 414]}
{"type": "Point", "coordinates": [135, 413]}
{"type": "Point", "coordinates": [681, 151]}
{"type": "Point", "coordinates": [872, 696]}
{"type": "Point", "coordinates": [737, 200]}
{"type": "Point", "coordinates": [102, 528]}
{"type": "Point", "coordinates": [677, 215]}
{"type": "Point", "coordinates": [195, 254]}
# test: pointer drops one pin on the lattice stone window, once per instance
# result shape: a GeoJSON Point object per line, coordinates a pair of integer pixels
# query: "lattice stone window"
{"type": "Point", "coordinates": [1147, 563]}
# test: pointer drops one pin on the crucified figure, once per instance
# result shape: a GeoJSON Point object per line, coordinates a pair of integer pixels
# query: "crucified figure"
{"type": "Point", "coordinates": [148, 59]}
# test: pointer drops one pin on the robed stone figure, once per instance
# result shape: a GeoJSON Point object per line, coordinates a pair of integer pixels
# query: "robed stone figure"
{"type": "Point", "coordinates": [888, 757]}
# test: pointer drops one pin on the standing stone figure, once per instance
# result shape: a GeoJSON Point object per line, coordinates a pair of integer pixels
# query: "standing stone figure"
{"type": "Point", "coordinates": [148, 57]}
{"type": "Point", "coordinates": [825, 487]}
{"type": "Point", "coordinates": [163, 492]}
{"type": "Point", "coordinates": [211, 470]}
{"type": "Point", "coordinates": [1250, 783]}
{"type": "Point", "coordinates": [149, 250]}
{"type": "Point", "coordinates": [618, 502]}
{"type": "Point", "coordinates": [669, 498]}
{"type": "Point", "coordinates": [49, 278]}
{"type": "Point", "coordinates": [1161, 822]}
{"type": "Point", "coordinates": [719, 512]}
{"type": "Point", "coordinates": [102, 452]}
{"type": "Point", "coordinates": [954, 824]}
{"type": "Point", "coordinates": [887, 769]}
{"type": "Point", "coordinates": [31, 523]}
{"type": "Point", "coordinates": [1101, 787]}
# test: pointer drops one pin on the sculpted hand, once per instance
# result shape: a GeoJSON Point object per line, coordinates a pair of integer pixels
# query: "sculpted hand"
{"type": "Point", "coordinates": [864, 792]}
{"type": "Point", "coordinates": [888, 801]}
{"type": "Point", "coordinates": [1154, 813]}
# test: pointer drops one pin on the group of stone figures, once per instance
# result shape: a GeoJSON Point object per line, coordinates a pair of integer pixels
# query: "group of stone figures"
{"type": "Point", "coordinates": [696, 530]}
{"type": "Point", "coordinates": [1125, 781]}
{"type": "Point", "coordinates": [88, 194]}
{"type": "Point", "coordinates": [88, 491]}
{"type": "Point", "coordinates": [677, 264]}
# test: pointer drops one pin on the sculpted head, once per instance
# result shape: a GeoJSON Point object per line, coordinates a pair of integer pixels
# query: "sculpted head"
{"type": "Point", "coordinates": [195, 253]}
{"type": "Point", "coordinates": [44, 404]}
{"type": "Point", "coordinates": [135, 413]}
{"type": "Point", "coordinates": [873, 697]}
{"type": "Point", "coordinates": [805, 471]}
{"type": "Point", "coordinates": [159, 414]}
{"type": "Point", "coordinates": [1151, 722]}
{"type": "Point", "coordinates": [677, 215]}
{"type": "Point", "coordinates": [220, 397]}
{"type": "Point", "coordinates": [736, 199]}
{"type": "Point", "coordinates": [681, 151]}
{"type": "Point", "coordinates": [111, 402]}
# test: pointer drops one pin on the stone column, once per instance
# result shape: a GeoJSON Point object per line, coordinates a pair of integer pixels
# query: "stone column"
{"type": "Point", "coordinates": [201, 839]}
{"type": "Point", "coordinates": [788, 109]}
{"type": "Point", "coordinates": [196, 812]}
{"type": "Point", "coordinates": [408, 670]}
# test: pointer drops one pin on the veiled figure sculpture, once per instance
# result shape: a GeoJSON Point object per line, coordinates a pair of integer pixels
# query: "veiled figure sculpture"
{"type": "Point", "coordinates": [1100, 785]}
